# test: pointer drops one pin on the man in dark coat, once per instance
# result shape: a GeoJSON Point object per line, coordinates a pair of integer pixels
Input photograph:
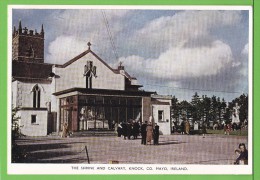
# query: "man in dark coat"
{"type": "Point", "coordinates": [183, 127]}
{"type": "Point", "coordinates": [129, 130]}
{"type": "Point", "coordinates": [124, 130]}
{"type": "Point", "coordinates": [156, 135]}
{"type": "Point", "coordinates": [143, 133]}
{"type": "Point", "coordinates": [135, 129]}
{"type": "Point", "coordinates": [119, 130]}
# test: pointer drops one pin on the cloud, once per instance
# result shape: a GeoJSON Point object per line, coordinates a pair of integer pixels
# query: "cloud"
{"type": "Point", "coordinates": [183, 62]}
{"type": "Point", "coordinates": [84, 21]}
{"type": "Point", "coordinates": [205, 49]}
{"type": "Point", "coordinates": [245, 50]}
{"type": "Point", "coordinates": [244, 61]}
{"type": "Point", "coordinates": [64, 48]}
{"type": "Point", "coordinates": [74, 28]}
{"type": "Point", "coordinates": [184, 26]}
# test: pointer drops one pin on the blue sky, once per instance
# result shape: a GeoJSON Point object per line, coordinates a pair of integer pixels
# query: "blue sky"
{"type": "Point", "coordinates": [173, 52]}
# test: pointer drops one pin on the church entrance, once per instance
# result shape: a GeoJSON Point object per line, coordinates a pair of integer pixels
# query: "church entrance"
{"type": "Point", "coordinates": [103, 112]}
{"type": "Point", "coordinates": [68, 113]}
{"type": "Point", "coordinates": [98, 112]}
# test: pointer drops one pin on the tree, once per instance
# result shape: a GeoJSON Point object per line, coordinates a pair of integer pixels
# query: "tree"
{"type": "Point", "coordinates": [185, 108]}
{"type": "Point", "coordinates": [18, 153]}
{"type": "Point", "coordinates": [15, 123]}
{"type": "Point", "coordinates": [175, 111]}
{"type": "Point", "coordinates": [197, 108]}
{"type": "Point", "coordinates": [213, 109]}
{"type": "Point", "coordinates": [243, 111]}
{"type": "Point", "coordinates": [206, 102]}
{"type": "Point", "coordinates": [223, 106]}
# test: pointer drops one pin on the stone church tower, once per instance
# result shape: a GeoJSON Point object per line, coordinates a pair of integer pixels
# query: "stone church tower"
{"type": "Point", "coordinates": [28, 45]}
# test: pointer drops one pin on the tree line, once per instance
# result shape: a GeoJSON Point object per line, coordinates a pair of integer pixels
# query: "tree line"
{"type": "Point", "coordinates": [209, 109]}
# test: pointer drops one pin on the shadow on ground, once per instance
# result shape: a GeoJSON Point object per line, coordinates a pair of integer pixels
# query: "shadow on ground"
{"type": "Point", "coordinates": [49, 153]}
{"type": "Point", "coordinates": [170, 142]}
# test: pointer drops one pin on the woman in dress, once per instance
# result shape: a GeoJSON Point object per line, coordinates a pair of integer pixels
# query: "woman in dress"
{"type": "Point", "coordinates": [149, 135]}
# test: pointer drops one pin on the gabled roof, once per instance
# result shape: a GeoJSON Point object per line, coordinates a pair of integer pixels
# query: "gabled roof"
{"type": "Point", "coordinates": [116, 71]}
{"type": "Point", "coordinates": [80, 56]}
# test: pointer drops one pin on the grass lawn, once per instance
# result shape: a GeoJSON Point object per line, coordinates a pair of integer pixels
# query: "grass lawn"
{"type": "Point", "coordinates": [237, 133]}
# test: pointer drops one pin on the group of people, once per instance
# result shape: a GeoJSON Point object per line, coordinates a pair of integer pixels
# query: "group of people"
{"type": "Point", "coordinates": [242, 155]}
{"type": "Point", "coordinates": [128, 130]}
{"type": "Point", "coordinates": [132, 129]}
{"type": "Point", "coordinates": [149, 133]}
{"type": "Point", "coordinates": [227, 129]}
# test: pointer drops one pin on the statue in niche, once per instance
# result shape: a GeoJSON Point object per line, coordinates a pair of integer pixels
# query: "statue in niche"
{"type": "Point", "coordinates": [89, 72]}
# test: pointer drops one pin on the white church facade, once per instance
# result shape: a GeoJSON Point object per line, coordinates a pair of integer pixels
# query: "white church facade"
{"type": "Point", "coordinates": [85, 92]}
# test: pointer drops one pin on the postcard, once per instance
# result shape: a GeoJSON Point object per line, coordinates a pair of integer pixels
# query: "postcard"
{"type": "Point", "coordinates": [130, 89]}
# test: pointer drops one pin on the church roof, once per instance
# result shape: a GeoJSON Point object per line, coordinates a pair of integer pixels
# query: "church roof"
{"type": "Point", "coordinates": [29, 70]}
{"type": "Point", "coordinates": [116, 71]}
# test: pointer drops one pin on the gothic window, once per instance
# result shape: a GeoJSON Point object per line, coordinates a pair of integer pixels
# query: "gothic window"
{"type": "Point", "coordinates": [36, 96]}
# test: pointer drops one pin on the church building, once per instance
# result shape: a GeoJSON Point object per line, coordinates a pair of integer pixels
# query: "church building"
{"type": "Point", "coordinates": [85, 92]}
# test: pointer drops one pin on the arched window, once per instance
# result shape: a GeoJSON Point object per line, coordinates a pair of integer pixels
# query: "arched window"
{"type": "Point", "coordinates": [36, 96]}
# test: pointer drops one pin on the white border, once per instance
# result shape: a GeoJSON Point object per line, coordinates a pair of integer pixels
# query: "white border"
{"type": "Point", "coordinates": [177, 169]}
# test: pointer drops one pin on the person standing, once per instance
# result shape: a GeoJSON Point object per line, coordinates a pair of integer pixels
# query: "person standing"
{"type": "Point", "coordinates": [204, 129]}
{"type": "Point", "coordinates": [124, 130]}
{"type": "Point", "coordinates": [229, 127]}
{"type": "Point", "coordinates": [182, 127]}
{"type": "Point", "coordinates": [116, 127]}
{"type": "Point", "coordinates": [135, 129]}
{"type": "Point", "coordinates": [113, 125]}
{"type": "Point", "coordinates": [225, 128]}
{"type": "Point", "coordinates": [64, 130]}
{"type": "Point", "coordinates": [187, 127]}
{"type": "Point", "coordinates": [149, 133]}
{"type": "Point", "coordinates": [156, 135]}
{"type": "Point", "coordinates": [129, 130]}
{"type": "Point", "coordinates": [119, 130]}
{"type": "Point", "coordinates": [143, 133]}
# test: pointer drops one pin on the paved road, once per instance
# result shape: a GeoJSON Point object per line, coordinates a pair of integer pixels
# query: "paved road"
{"type": "Point", "coordinates": [172, 149]}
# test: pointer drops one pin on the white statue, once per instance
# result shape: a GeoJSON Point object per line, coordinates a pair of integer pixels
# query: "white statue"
{"type": "Point", "coordinates": [235, 114]}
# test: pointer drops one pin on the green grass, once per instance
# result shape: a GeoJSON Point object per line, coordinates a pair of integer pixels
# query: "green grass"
{"type": "Point", "coordinates": [236, 133]}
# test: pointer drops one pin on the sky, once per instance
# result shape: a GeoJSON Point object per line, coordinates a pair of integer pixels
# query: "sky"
{"type": "Point", "coordinates": [172, 52]}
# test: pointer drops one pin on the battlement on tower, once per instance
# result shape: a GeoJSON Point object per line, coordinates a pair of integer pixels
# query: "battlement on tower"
{"type": "Point", "coordinates": [28, 45]}
{"type": "Point", "coordinates": [27, 32]}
